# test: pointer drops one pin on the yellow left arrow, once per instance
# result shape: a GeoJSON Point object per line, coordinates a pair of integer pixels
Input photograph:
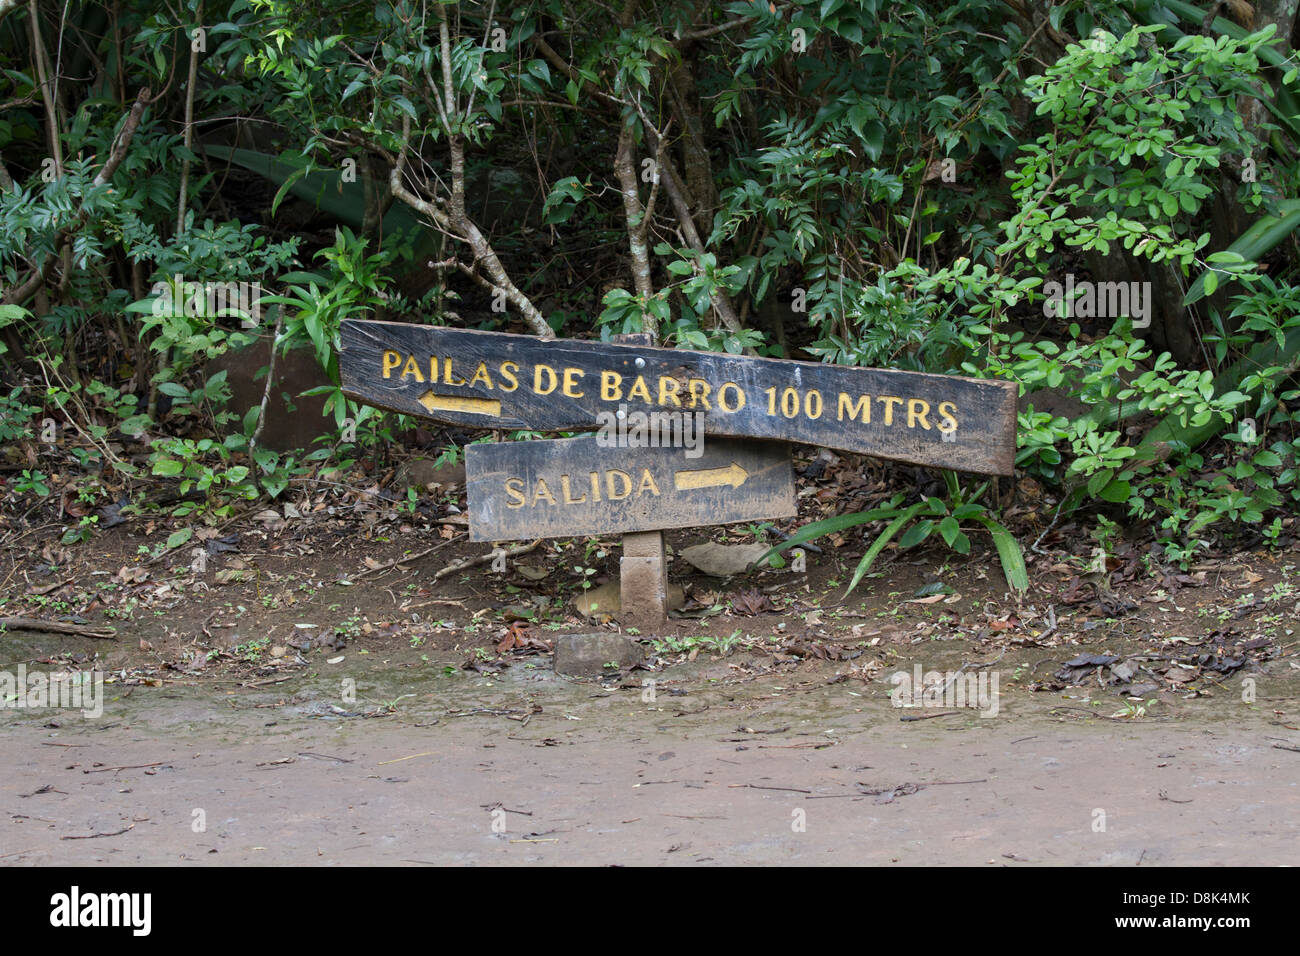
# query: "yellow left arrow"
{"type": "Point", "coordinates": [460, 403]}
{"type": "Point", "coordinates": [732, 475]}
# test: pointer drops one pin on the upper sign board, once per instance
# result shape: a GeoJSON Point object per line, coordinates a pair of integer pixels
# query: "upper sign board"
{"type": "Point", "coordinates": [498, 380]}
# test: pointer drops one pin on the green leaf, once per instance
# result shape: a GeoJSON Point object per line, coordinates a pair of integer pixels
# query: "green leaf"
{"type": "Point", "coordinates": [1099, 481]}
{"type": "Point", "coordinates": [934, 587]}
{"type": "Point", "coordinates": [949, 528]}
{"type": "Point", "coordinates": [405, 106]}
{"type": "Point", "coordinates": [1116, 491]}
{"type": "Point", "coordinates": [1013, 561]}
{"type": "Point", "coordinates": [916, 534]}
{"type": "Point", "coordinates": [873, 139]}
{"type": "Point", "coordinates": [1253, 244]}
{"type": "Point", "coordinates": [831, 526]}
{"type": "Point", "coordinates": [879, 545]}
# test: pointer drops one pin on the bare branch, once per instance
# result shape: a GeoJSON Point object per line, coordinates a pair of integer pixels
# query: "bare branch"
{"type": "Point", "coordinates": [456, 222]}
{"type": "Point", "coordinates": [40, 275]}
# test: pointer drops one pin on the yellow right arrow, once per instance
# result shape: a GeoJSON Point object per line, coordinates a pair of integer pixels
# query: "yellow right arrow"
{"type": "Point", "coordinates": [732, 475]}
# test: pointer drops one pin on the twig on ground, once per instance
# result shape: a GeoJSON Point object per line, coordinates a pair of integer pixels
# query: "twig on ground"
{"type": "Point", "coordinates": [57, 627]}
{"type": "Point", "coordinates": [946, 713]}
{"type": "Point", "coordinates": [408, 558]}
{"type": "Point", "coordinates": [92, 836]}
{"type": "Point", "coordinates": [465, 563]}
{"type": "Point", "coordinates": [134, 766]}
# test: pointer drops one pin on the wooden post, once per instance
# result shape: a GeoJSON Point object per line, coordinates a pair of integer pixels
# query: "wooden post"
{"type": "Point", "coordinates": [643, 568]}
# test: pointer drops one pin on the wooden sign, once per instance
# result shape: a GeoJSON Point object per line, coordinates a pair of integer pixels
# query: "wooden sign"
{"type": "Point", "coordinates": [498, 380]}
{"type": "Point", "coordinates": [577, 486]}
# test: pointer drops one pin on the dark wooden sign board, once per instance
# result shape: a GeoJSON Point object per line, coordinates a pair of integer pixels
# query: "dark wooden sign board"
{"type": "Point", "coordinates": [576, 486]}
{"type": "Point", "coordinates": [498, 380]}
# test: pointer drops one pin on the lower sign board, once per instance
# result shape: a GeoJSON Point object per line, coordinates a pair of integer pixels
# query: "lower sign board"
{"type": "Point", "coordinates": [578, 486]}
{"type": "Point", "coordinates": [498, 380]}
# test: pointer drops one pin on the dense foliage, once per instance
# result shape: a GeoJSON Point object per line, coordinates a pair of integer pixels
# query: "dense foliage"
{"type": "Point", "coordinates": [891, 184]}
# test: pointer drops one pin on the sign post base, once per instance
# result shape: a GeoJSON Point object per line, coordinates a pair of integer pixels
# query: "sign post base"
{"type": "Point", "coordinates": [643, 581]}
{"type": "Point", "coordinates": [643, 569]}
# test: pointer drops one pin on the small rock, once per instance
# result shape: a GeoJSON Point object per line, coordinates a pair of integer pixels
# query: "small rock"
{"type": "Point", "coordinates": [1124, 672]}
{"type": "Point", "coordinates": [419, 473]}
{"type": "Point", "coordinates": [585, 655]}
{"type": "Point", "coordinates": [724, 560]}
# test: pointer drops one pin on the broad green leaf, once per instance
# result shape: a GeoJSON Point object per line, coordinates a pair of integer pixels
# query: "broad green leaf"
{"type": "Point", "coordinates": [1013, 561]}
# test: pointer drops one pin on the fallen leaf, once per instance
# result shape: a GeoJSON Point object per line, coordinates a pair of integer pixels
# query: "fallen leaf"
{"type": "Point", "coordinates": [751, 602]}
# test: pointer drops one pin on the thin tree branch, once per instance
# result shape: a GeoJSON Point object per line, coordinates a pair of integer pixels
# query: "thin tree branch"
{"type": "Point", "coordinates": [37, 278]}
{"type": "Point", "coordinates": [189, 127]}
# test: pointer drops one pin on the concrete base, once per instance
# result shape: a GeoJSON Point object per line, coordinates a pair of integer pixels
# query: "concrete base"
{"type": "Point", "coordinates": [643, 581]}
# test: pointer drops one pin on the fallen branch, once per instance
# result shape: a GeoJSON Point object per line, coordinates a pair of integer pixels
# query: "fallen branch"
{"type": "Point", "coordinates": [465, 563]}
{"type": "Point", "coordinates": [907, 789]}
{"type": "Point", "coordinates": [57, 627]}
{"type": "Point", "coordinates": [946, 713]}
{"type": "Point", "coordinates": [408, 558]}
{"type": "Point", "coordinates": [92, 836]}
{"type": "Point", "coordinates": [133, 766]}
{"type": "Point", "coordinates": [443, 601]}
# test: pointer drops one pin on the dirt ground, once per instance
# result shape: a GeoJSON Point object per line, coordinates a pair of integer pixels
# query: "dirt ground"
{"type": "Point", "coordinates": [798, 772]}
{"type": "Point", "coordinates": [318, 689]}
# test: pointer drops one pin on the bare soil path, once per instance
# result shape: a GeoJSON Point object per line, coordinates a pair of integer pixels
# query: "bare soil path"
{"type": "Point", "coordinates": [782, 771]}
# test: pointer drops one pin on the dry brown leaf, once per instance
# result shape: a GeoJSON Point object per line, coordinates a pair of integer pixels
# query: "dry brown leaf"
{"type": "Point", "coordinates": [751, 602]}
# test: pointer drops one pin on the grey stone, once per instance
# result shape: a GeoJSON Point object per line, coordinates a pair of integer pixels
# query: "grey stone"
{"type": "Point", "coordinates": [585, 655]}
{"type": "Point", "coordinates": [723, 560]}
{"type": "Point", "coordinates": [1125, 672]}
{"type": "Point", "coordinates": [419, 473]}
